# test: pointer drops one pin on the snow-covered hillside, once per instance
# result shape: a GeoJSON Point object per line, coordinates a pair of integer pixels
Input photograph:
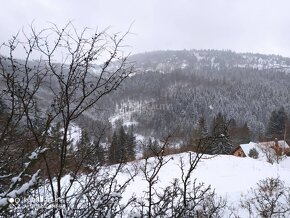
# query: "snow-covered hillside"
{"type": "Point", "coordinates": [166, 61]}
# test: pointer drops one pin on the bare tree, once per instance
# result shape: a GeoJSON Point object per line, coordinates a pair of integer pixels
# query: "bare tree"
{"type": "Point", "coordinates": [73, 72]}
{"type": "Point", "coordinates": [18, 148]}
{"type": "Point", "coordinates": [150, 171]}
{"type": "Point", "coordinates": [184, 197]}
{"type": "Point", "coordinates": [272, 155]}
{"type": "Point", "coordinates": [270, 198]}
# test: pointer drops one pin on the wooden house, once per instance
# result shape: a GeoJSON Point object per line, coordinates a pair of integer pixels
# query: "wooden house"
{"type": "Point", "coordinates": [280, 147]}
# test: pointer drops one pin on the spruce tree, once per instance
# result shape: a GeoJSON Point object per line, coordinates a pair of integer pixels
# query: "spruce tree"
{"type": "Point", "coordinates": [131, 145]}
{"type": "Point", "coordinates": [122, 153]}
{"type": "Point", "coordinates": [84, 149]}
{"type": "Point", "coordinates": [56, 135]}
{"type": "Point", "coordinates": [99, 152]}
{"type": "Point", "coordinates": [152, 148]}
{"type": "Point", "coordinates": [202, 130]}
{"type": "Point", "coordinates": [219, 126]}
{"type": "Point", "coordinates": [147, 150]}
{"type": "Point", "coordinates": [156, 147]}
{"type": "Point", "coordinates": [240, 134]}
{"type": "Point", "coordinates": [113, 149]}
{"type": "Point", "coordinates": [276, 124]}
{"type": "Point", "coordinates": [200, 133]}
{"type": "Point", "coordinates": [245, 134]}
{"type": "Point", "coordinates": [84, 140]}
{"type": "Point", "coordinates": [220, 132]}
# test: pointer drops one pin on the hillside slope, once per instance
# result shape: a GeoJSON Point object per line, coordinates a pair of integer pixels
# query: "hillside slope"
{"type": "Point", "coordinates": [175, 88]}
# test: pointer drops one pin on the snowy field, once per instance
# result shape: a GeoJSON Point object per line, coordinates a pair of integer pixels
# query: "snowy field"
{"type": "Point", "coordinates": [230, 176]}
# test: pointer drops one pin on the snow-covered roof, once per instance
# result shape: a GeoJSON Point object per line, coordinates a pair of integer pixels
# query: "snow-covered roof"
{"type": "Point", "coordinates": [259, 147]}
{"type": "Point", "coordinates": [247, 147]}
{"type": "Point", "coordinates": [281, 143]}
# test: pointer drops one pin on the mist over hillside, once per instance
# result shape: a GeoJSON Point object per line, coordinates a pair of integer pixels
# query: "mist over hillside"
{"type": "Point", "coordinates": [175, 88]}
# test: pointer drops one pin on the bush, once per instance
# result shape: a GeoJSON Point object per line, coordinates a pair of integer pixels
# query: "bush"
{"type": "Point", "coordinates": [253, 153]}
{"type": "Point", "coordinates": [271, 198]}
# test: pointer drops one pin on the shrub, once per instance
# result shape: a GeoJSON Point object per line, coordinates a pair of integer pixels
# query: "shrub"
{"type": "Point", "coordinates": [271, 198]}
{"type": "Point", "coordinates": [253, 153]}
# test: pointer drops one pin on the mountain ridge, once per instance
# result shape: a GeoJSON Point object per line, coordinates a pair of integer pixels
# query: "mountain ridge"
{"type": "Point", "coordinates": [212, 58]}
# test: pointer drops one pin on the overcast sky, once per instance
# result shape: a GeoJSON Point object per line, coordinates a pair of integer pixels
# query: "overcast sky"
{"type": "Point", "coordinates": [240, 25]}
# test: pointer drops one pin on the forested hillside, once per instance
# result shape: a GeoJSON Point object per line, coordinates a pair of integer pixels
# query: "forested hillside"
{"type": "Point", "coordinates": [173, 89]}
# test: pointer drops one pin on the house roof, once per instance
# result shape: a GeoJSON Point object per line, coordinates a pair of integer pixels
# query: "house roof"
{"type": "Point", "coordinates": [258, 146]}
{"type": "Point", "coordinates": [281, 143]}
{"type": "Point", "coordinates": [247, 147]}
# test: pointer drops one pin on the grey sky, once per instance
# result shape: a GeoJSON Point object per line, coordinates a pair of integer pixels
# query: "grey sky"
{"type": "Point", "coordinates": [240, 25]}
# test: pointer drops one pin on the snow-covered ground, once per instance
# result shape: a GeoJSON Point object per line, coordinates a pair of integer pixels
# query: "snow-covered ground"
{"type": "Point", "coordinates": [230, 176]}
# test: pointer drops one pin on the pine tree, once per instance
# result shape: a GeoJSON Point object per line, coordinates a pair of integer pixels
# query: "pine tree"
{"type": "Point", "coordinates": [147, 150]}
{"type": "Point", "coordinates": [152, 148]}
{"type": "Point", "coordinates": [56, 135]}
{"type": "Point", "coordinates": [84, 149]}
{"type": "Point", "coordinates": [202, 130]}
{"type": "Point", "coordinates": [122, 147]}
{"type": "Point", "coordinates": [200, 133]}
{"type": "Point", "coordinates": [99, 152]}
{"type": "Point", "coordinates": [220, 132]}
{"type": "Point", "coordinates": [240, 135]}
{"type": "Point", "coordinates": [122, 153]}
{"type": "Point", "coordinates": [219, 126]}
{"type": "Point", "coordinates": [84, 140]}
{"type": "Point", "coordinates": [276, 124]}
{"type": "Point", "coordinates": [155, 147]}
{"type": "Point", "coordinates": [245, 136]}
{"type": "Point", "coordinates": [113, 149]}
{"type": "Point", "coordinates": [131, 145]}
